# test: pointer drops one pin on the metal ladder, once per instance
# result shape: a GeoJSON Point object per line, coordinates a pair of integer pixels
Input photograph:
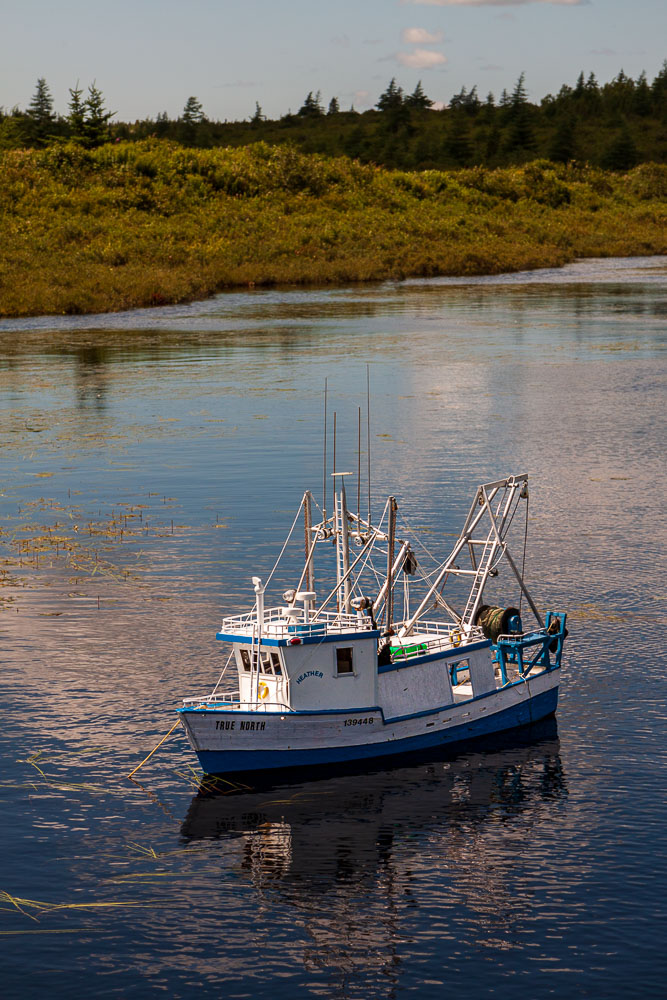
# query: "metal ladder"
{"type": "Point", "coordinates": [481, 575]}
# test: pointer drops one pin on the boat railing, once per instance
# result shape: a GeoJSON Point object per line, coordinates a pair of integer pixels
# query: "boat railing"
{"type": "Point", "coordinates": [532, 648]}
{"type": "Point", "coordinates": [222, 696]}
{"type": "Point", "coordinates": [468, 633]}
{"type": "Point", "coordinates": [434, 637]}
{"type": "Point", "coordinates": [230, 701]}
{"type": "Point", "coordinates": [276, 625]}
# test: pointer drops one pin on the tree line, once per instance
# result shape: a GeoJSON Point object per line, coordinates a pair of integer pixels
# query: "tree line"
{"type": "Point", "coordinates": [615, 125]}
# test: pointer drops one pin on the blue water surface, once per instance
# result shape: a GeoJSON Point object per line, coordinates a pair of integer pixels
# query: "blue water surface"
{"type": "Point", "coordinates": [152, 463]}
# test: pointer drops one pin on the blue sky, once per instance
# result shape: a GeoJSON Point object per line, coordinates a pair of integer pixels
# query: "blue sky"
{"type": "Point", "coordinates": [149, 56]}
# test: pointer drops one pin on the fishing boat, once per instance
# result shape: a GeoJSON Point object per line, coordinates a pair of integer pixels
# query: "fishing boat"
{"type": "Point", "coordinates": [402, 654]}
{"type": "Point", "coordinates": [372, 671]}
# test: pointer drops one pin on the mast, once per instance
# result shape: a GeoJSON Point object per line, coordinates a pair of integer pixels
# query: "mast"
{"type": "Point", "coordinates": [343, 550]}
{"type": "Point", "coordinates": [309, 572]}
{"type": "Point", "coordinates": [398, 562]}
{"type": "Point", "coordinates": [391, 541]}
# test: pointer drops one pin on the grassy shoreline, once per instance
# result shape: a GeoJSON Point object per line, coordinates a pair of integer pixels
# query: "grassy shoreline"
{"type": "Point", "coordinates": [152, 223]}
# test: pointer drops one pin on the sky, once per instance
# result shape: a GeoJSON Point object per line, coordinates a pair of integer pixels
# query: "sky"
{"type": "Point", "coordinates": [149, 56]}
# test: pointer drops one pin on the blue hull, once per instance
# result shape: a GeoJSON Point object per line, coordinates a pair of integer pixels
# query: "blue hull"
{"type": "Point", "coordinates": [247, 761]}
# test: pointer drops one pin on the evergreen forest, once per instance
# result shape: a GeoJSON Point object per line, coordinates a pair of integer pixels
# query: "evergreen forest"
{"type": "Point", "coordinates": [614, 125]}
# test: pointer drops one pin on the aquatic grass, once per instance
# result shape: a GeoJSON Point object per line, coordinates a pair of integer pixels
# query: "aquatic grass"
{"type": "Point", "coordinates": [55, 782]}
{"type": "Point", "coordinates": [96, 230]}
{"type": "Point", "coordinates": [46, 930]}
{"type": "Point", "coordinates": [42, 907]}
{"type": "Point", "coordinates": [64, 759]}
{"type": "Point", "coordinates": [86, 547]}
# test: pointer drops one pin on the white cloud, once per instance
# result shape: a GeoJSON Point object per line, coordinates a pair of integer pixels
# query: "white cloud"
{"type": "Point", "coordinates": [362, 97]}
{"type": "Point", "coordinates": [491, 3]}
{"type": "Point", "coordinates": [421, 59]}
{"type": "Point", "coordinates": [420, 36]}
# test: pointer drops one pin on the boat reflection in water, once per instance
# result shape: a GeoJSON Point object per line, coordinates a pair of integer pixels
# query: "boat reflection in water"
{"type": "Point", "coordinates": [381, 846]}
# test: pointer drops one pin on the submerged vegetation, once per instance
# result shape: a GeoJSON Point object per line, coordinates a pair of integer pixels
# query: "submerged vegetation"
{"type": "Point", "coordinates": [148, 223]}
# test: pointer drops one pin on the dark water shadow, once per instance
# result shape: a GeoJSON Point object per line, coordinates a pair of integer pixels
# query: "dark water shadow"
{"type": "Point", "coordinates": [508, 773]}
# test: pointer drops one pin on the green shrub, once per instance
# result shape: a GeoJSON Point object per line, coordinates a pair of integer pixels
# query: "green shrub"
{"type": "Point", "coordinates": [131, 224]}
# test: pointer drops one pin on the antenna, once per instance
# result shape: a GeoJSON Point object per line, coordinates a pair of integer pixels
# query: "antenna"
{"type": "Point", "coordinates": [368, 436]}
{"type": "Point", "coordinates": [324, 477]}
{"type": "Point", "coordinates": [358, 467]}
{"type": "Point", "coordinates": [334, 446]}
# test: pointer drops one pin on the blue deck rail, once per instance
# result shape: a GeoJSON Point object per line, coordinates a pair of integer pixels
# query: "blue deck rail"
{"type": "Point", "coordinates": [531, 649]}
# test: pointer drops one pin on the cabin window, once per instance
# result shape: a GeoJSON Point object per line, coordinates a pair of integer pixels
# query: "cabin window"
{"type": "Point", "coordinates": [264, 662]}
{"type": "Point", "coordinates": [344, 661]}
{"type": "Point", "coordinates": [275, 660]}
{"type": "Point", "coordinates": [245, 660]}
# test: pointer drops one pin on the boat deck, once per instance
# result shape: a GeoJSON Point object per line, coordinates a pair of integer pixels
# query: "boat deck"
{"type": "Point", "coordinates": [432, 637]}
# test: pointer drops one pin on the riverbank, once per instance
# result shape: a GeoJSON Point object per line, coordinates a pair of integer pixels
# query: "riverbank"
{"type": "Point", "coordinates": [140, 224]}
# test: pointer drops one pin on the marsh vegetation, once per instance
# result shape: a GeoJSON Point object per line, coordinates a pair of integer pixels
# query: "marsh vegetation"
{"type": "Point", "coordinates": [151, 223]}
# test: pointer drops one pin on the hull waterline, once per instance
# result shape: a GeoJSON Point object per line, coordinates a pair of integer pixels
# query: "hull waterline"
{"type": "Point", "coordinates": [475, 721]}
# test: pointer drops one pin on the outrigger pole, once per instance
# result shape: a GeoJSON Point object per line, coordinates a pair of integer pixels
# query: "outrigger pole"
{"type": "Point", "coordinates": [490, 545]}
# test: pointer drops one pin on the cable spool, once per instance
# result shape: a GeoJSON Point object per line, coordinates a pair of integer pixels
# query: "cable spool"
{"type": "Point", "coordinates": [496, 621]}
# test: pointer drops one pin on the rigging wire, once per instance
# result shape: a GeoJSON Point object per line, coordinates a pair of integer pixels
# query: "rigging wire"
{"type": "Point", "coordinates": [229, 660]}
{"type": "Point", "coordinates": [523, 560]}
{"type": "Point", "coordinates": [275, 566]}
{"type": "Point", "coordinates": [416, 538]}
{"type": "Point", "coordinates": [372, 568]}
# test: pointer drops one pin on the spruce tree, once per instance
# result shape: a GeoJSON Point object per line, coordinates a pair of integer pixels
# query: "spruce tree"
{"type": "Point", "coordinates": [312, 106]}
{"type": "Point", "coordinates": [622, 153]}
{"type": "Point", "coordinates": [392, 98]}
{"type": "Point", "coordinates": [457, 143]}
{"type": "Point", "coordinates": [191, 121]}
{"type": "Point", "coordinates": [76, 117]}
{"type": "Point", "coordinates": [193, 113]}
{"type": "Point", "coordinates": [334, 106]}
{"type": "Point", "coordinates": [417, 100]}
{"type": "Point", "coordinates": [659, 93]}
{"type": "Point", "coordinates": [40, 112]}
{"type": "Point", "coordinates": [396, 117]}
{"type": "Point", "coordinates": [489, 108]}
{"type": "Point", "coordinates": [492, 145]}
{"type": "Point", "coordinates": [562, 148]}
{"type": "Point", "coordinates": [593, 101]}
{"type": "Point", "coordinates": [520, 135]}
{"type": "Point", "coordinates": [642, 104]}
{"type": "Point", "coordinates": [519, 96]}
{"type": "Point", "coordinates": [96, 126]}
{"type": "Point", "coordinates": [162, 123]}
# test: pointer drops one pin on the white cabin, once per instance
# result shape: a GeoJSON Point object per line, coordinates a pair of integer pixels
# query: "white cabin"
{"type": "Point", "coordinates": [333, 664]}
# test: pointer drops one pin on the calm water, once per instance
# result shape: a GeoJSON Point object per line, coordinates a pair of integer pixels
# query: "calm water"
{"type": "Point", "coordinates": [151, 464]}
